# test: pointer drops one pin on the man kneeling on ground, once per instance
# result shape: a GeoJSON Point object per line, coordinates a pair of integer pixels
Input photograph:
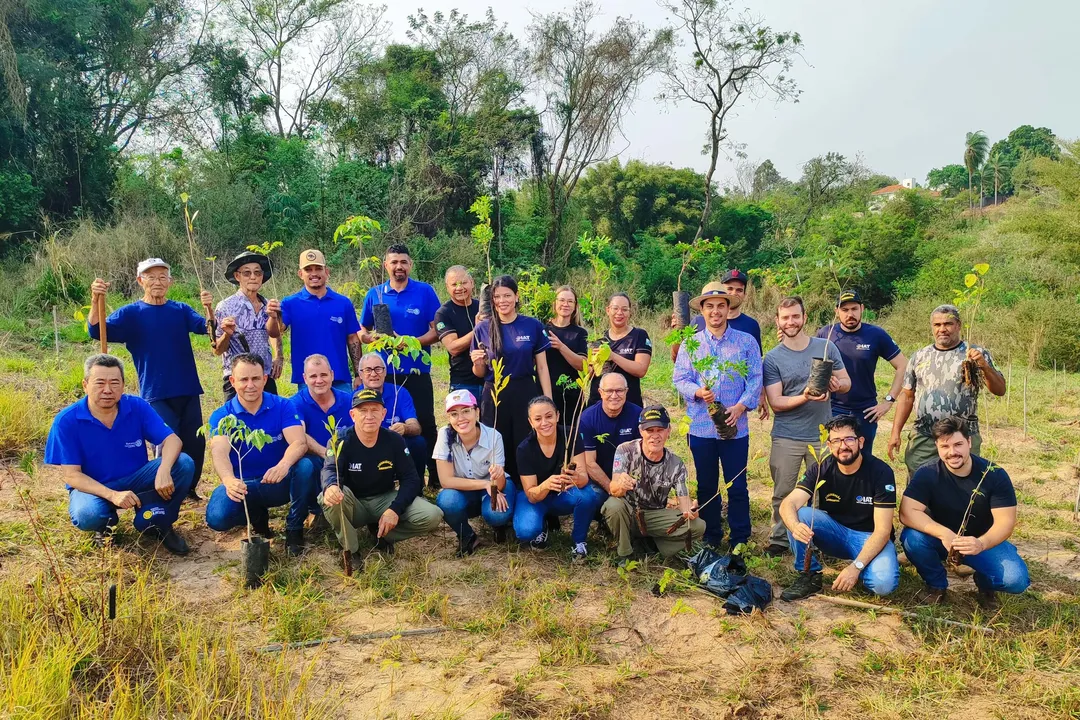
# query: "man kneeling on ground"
{"type": "Point", "coordinates": [100, 445]}
{"type": "Point", "coordinates": [643, 475]}
{"type": "Point", "coordinates": [358, 482]}
{"type": "Point", "coordinates": [853, 520]}
{"type": "Point", "coordinates": [935, 505]}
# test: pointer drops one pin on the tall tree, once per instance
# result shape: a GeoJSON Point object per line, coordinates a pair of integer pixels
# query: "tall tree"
{"type": "Point", "coordinates": [950, 179]}
{"type": "Point", "coordinates": [589, 80]}
{"type": "Point", "coordinates": [996, 167]}
{"type": "Point", "coordinates": [731, 56]}
{"type": "Point", "coordinates": [975, 147]}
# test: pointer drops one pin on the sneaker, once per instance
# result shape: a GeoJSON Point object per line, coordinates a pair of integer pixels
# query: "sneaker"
{"type": "Point", "coordinates": [101, 537]}
{"type": "Point", "coordinates": [579, 555]}
{"type": "Point", "coordinates": [540, 541]}
{"type": "Point", "coordinates": [930, 596]}
{"type": "Point", "coordinates": [500, 535]}
{"type": "Point", "coordinates": [987, 600]}
{"type": "Point", "coordinates": [385, 547]}
{"type": "Point", "coordinates": [294, 541]}
{"type": "Point", "coordinates": [171, 541]}
{"type": "Point", "coordinates": [805, 585]}
{"type": "Point", "coordinates": [468, 547]}
{"type": "Point", "coordinates": [775, 550]}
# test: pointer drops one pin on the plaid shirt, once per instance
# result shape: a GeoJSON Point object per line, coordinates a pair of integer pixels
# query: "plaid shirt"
{"type": "Point", "coordinates": [731, 388]}
{"type": "Point", "coordinates": [249, 323]}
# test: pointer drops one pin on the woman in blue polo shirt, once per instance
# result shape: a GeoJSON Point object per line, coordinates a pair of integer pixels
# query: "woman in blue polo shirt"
{"type": "Point", "coordinates": [520, 343]}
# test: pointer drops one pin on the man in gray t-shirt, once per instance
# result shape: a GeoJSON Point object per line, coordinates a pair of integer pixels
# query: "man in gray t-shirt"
{"type": "Point", "coordinates": [797, 415]}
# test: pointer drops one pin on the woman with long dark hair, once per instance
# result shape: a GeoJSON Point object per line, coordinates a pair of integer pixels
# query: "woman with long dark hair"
{"type": "Point", "coordinates": [569, 348]}
{"type": "Point", "coordinates": [631, 349]}
{"type": "Point", "coordinates": [520, 343]}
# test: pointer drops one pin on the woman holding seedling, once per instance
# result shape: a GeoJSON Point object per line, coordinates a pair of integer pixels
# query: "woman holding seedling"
{"type": "Point", "coordinates": [631, 349]}
{"type": "Point", "coordinates": [519, 343]}
{"type": "Point", "coordinates": [470, 459]}
{"type": "Point", "coordinates": [553, 480]}
{"type": "Point", "coordinates": [569, 348]}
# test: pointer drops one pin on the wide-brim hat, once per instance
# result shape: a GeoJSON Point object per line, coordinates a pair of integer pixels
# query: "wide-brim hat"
{"type": "Point", "coordinates": [713, 289]}
{"type": "Point", "coordinates": [243, 259]}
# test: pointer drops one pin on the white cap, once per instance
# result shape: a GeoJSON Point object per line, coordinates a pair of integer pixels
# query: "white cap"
{"type": "Point", "coordinates": [151, 263]}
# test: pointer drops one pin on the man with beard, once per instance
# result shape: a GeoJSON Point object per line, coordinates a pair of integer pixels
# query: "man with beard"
{"type": "Point", "coordinates": [455, 322]}
{"type": "Point", "coordinates": [412, 306]}
{"type": "Point", "coordinates": [934, 385]}
{"type": "Point", "coordinates": [242, 319]}
{"type": "Point", "coordinates": [964, 506]}
{"type": "Point", "coordinates": [322, 321]}
{"type": "Point", "coordinates": [799, 414]}
{"type": "Point", "coordinates": [856, 500]}
{"type": "Point", "coordinates": [604, 427]}
{"type": "Point", "coordinates": [861, 344]}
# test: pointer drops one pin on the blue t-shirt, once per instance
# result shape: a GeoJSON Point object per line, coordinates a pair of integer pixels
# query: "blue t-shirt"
{"type": "Point", "coordinates": [596, 424]}
{"type": "Point", "coordinates": [860, 350]}
{"type": "Point", "coordinates": [157, 338]}
{"type": "Point", "coordinates": [743, 323]}
{"type": "Point", "coordinates": [399, 404]}
{"type": "Point", "coordinates": [320, 326]}
{"type": "Point", "coordinates": [522, 340]}
{"type": "Point", "coordinates": [412, 311]}
{"type": "Point", "coordinates": [273, 416]}
{"type": "Point", "coordinates": [104, 454]}
{"type": "Point", "coordinates": [315, 419]}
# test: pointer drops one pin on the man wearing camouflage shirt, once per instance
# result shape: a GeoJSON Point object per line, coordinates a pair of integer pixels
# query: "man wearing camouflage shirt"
{"type": "Point", "coordinates": [934, 383]}
{"type": "Point", "coordinates": [642, 477]}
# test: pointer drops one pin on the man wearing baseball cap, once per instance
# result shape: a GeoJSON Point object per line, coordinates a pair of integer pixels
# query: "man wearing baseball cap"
{"type": "Point", "coordinates": [322, 322]}
{"type": "Point", "coordinates": [156, 332]}
{"type": "Point", "coordinates": [643, 475]}
{"type": "Point", "coordinates": [861, 344]}
{"type": "Point", "coordinates": [359, 480]}
{"type": "Point", "coordinates": [242, 319]}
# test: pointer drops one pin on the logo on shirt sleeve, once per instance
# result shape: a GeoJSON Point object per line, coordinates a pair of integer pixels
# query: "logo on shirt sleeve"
{"type": "Point", "coordinates": [440, 326]}
{"type": "Point", "coordinates": [890, 488]}
{"type": "Point", "coordinates": [648, 342]}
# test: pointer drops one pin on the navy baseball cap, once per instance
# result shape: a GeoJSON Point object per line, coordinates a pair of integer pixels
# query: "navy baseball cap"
{"type": "Point", "coordinates": [654, 416]}
{"type": "Point", "coordinates": [849, 296]}
{"type": "Point", "coordinates": [735, 274]}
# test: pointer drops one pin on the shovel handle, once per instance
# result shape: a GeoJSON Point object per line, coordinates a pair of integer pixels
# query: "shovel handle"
{"type": "Point", "coordinates": [103, 332]}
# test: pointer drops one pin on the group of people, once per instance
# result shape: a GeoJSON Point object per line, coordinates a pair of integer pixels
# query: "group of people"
{"type": "Point", "coordinates": [353, 444]}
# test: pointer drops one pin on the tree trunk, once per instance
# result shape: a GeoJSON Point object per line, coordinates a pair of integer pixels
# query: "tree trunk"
{"type": "Point", "coordinates": [971, 191]}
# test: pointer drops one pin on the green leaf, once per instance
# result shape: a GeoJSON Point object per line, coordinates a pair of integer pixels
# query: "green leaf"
{"type": "Point", "coordinates": [970, 279]}
{"type": "Point", "coordinates": [982, 268]}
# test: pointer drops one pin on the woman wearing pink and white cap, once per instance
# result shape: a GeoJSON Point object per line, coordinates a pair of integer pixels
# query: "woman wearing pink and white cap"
{"type": "Point", "coordinates": [470, 458]}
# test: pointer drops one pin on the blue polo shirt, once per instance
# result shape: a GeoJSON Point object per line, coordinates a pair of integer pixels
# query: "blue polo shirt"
{"type": "Point", "coordinates": [399, 404]}
{"type": "Point", "coordinates": [603, 434]}
{"type": "Point", "coordinates": [315, 419]}
{"type": "Point", "coordinates": [860, 350]}
{"type": "Point", "coordinates": [273, 416]}
{"type": "Point", "coordinates": [412, 310]}
{"type": "Point", "coordinates": [157, 338]}
{"type": "Point", "coordinates": [522, 340]}
{"type": "Point", "coordinates": [320, 326]}
{"type": "Point", "coordinates": [105, 454]}
{"type": "Point", "coordinates": [743, 323]}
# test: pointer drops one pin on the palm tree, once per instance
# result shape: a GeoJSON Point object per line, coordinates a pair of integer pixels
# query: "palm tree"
{"type": "Point", "coordinates": [995, 164]}
{"type": "Point", "coordinates": [975, 146]}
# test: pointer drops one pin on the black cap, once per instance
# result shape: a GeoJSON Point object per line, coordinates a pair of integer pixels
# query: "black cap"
{"type": "Point", "coordinates": [654, 416]}
{"type": "Point", "coordinates": [735, 274]}
{"type": "Point", "coordinates": [243, 259]}
{"type": "Point", "coordinates": [849, 296]}
{"type": "Point", "coordinates": [366, 396]}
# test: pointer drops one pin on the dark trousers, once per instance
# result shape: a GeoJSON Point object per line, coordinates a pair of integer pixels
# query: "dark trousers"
{"type": "Point", "coordinates": [513, 420]}
{"type": "Point", "coordinates": [709, 455]}
{"type": "Point", "coordinates": [230, 393]}
{"type": "Point", "coordinates": [866, 428]}
{"type": "Point", "coordinates": [423, 395]}
{"type": "Point", "coordinates": [184, 416]}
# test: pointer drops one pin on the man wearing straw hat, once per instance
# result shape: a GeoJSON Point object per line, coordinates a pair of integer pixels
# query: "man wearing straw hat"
{"type": "Point", "coordinates": [156, 332]}
{"type": "Point", "coordinates": [242, 318]}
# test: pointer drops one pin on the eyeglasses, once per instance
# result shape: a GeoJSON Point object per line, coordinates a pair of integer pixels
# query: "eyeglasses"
{"type": "Point", "coordinates": [156, 278]}
{"type": "Point", "coordinates": [615, 391]}
{"type": "Point", "coordinates": [373, 370]}
{"type": "Point", "coordinates": [850, 441]}
{"type": "Point", "coordinates": [251, 273]}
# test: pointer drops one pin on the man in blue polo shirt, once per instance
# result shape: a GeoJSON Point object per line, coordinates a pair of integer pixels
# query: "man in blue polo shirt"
{"type": "Point", "coordinates": [412, 305]}
{"type": "Point", "coordinates": [604, 426]}
{"type": "Point", "coordinates": [100, 445]}
{"type": "Point", "coordinates": [400, 408]}
{"type": "Point", "coordinates": [322, 321]}
{"type": "Point", "coordinates": [277, 474]}
{"type": "Point", "coordinates": [156, 332]}
{"type": "Point", "coordinates": [316, 403]}
{"type": "Point", "coordinates": [861, 344]}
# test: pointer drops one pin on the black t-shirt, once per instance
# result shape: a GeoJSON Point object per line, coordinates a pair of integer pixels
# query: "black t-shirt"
{"type": "Point", "coordinates": [370, 471]}
{"type": "Point", "coordinates": [946, 496]}
{"type": "Point", "coordinates": [850, 499]}
{"type": "Point", "coordinates": [572, 336]}
{"type": "Point", "coordinates": [458, 320]}
{"type": "Point", "coordinates": [634, 342]}
{"type": "Point", "coordinates": [531, 460]}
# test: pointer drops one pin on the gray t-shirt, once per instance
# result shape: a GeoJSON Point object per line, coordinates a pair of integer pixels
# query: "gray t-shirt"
{"type": "Point", "coordinates": [783, 365]}
{"type": "Point", "coordinates": [475, 463]}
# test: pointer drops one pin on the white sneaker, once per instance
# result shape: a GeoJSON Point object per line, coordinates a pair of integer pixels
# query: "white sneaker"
{"type": "Point", "coordinates": [540, 542]}
{"type": "Point", "coordinates": [579, 554]}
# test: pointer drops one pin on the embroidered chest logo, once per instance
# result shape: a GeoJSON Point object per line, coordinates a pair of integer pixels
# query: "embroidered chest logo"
{"type": "Point", "coordinates": [832, 497]}
{"type": "Point", "coordinates": [356, 467]}
{"type": "Point", "coordinates": [864, 500]}
{"type": "Point", "coordinates": [136, 444]}
{"type": "Point", "coordinates": [337, 320]}
{"type": "Point", "coordinates": [413, 311]}
{"type": "Point", "coordinates": [625, 431]}
{"type": "Point", "coordinates": [863, 346]}
{"type": "Point", "coordinates": [386, 465]}
{"type": "Point", "coordinates": [524, 338]}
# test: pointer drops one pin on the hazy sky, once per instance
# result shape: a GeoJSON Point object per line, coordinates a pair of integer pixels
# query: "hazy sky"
{"type": "Point", "coordinates": [899, 82]}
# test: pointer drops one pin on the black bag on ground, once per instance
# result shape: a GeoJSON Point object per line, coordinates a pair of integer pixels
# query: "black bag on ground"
{"type": "Point", "coordinates": [725, 576]}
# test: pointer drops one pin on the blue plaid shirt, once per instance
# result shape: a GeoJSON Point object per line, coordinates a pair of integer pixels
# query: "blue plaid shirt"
{"type": "Point", "coordinates": [249, 323]}
{"type": "Point", "coordinates": [732, 389]}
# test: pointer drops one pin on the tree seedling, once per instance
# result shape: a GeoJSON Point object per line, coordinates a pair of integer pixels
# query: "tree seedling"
{"type": "Point", "coordinates": [482, 232]}
{"type": "Point", "coordinates": [969, 298]}
{"type": "Point", "coordinates": [498, 384]}
{"type": "Point", "coordinates": [333, 449]}
{"type": "Point", "coordinates": [265, 249]}
{"type": "Point", "coordinates": [712, 371]}
{"type": "Point", "coordinates": [954, 556]}
{"type": "Point", "coordinates": [591, 368]}
{"type": "Point", "coordinates": [396, 347]}
{"type": "Point", "coordinates": [242, 441]}
{"type": "Point", "coordinates": [193, 249]}
{"type": "Point", "coordinates": [819, 458]}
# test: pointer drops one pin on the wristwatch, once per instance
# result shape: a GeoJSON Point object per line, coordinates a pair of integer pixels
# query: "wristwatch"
{"type": "Point", "coordinates": [859, 564]}
{"type": "Point", "coordinates": [890, 398]}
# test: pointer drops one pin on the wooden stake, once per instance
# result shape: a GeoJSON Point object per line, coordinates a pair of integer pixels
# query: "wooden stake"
{"type": "Point", "coordinates": [56, 332]}
{"type": "Point", "coordinates": [1025, 400]}
{"type": "Point", "coordinates": [845, 602]}
{"type": "Point", "coordinates": [1008, 395]}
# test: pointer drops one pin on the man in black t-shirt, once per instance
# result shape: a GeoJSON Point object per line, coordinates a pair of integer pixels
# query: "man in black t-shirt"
{"type": "Point", "coordinates": [358, 479]}
{"type": "Point", "coordinates": [853, 520]}
{"type": "Point", "coordinates": [455, 322]}
{"type": "Point", "coordinates": [940, 497]}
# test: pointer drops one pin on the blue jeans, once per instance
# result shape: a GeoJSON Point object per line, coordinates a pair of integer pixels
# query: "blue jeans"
{"type": "Point", "coordinates": [600, 497]}
{"type": "Point", "coordinates": [709, 455]}
{"type": "Point", "coordinates": [477, 390]}
{"type": "Point", "coordinates": [999, 568]}
{"type": "Point", "coordinates": [866, 428]}
{"type": "Point", "coordinates": [297, 489]}
{"type": "Point", "coordinates": [460, 505]}
{"type": "Point", "coordinates": [579, 502]}
{"type": "Point", "coordinates": [93, 514]}
{"type": "Point", "coordinates": [880, 576]}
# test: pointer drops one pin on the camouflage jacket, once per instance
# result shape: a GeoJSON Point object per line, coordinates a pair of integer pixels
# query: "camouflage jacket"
{"type": "Point", "coordinates": [936, 377]}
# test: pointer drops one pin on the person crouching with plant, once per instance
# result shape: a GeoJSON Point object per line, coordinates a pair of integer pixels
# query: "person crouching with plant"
{"type": "Point", "coordinates": [553, 480]}
{"type": "Point", "coordinates": [718, 373]}
{"type": "Point", "coordinates": [852, 518]}
{"type": "Point", "coordinates": [273, 475]}
{"type": "Point", "coordinates": [643, 476]}
{"type": "Point", "coordinates": [470, 459]}
{"type": "Point", "coordinates": [961, 509]}
{"type": "Point", "coordinates": [359, 479]}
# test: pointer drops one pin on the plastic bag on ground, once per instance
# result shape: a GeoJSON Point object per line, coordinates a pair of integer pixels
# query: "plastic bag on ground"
{"type": "Point", "coordinates": [725, 576]}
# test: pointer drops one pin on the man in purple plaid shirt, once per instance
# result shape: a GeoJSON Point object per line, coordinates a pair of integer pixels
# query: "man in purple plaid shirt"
{"type": "Point", "coordinates": [701, 386]}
